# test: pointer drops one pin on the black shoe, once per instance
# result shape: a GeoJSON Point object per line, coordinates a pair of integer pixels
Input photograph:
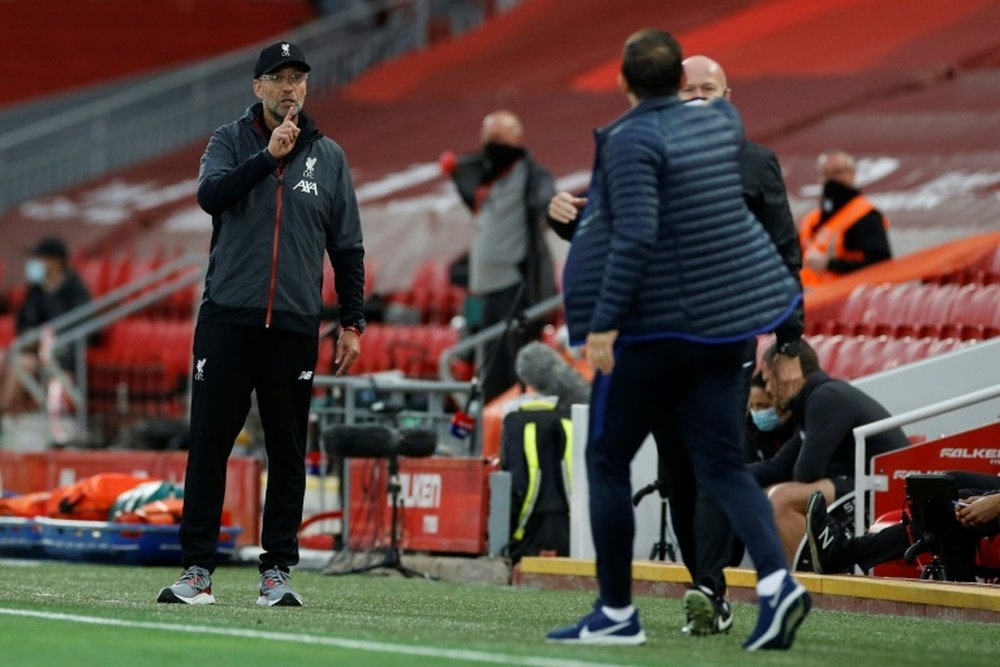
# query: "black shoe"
{"type": "Point", "coordinates": [827, 542]}
{"type": "Point", "coordinates": [707, 613]}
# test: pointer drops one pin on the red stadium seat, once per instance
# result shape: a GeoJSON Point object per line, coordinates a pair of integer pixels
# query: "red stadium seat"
{"type": "Point", "coordinates": [148, 359]}
{"type": "Point", "coordinates": [874, 312]}
{"type": "Point", "coordinates": [324, 359]}
{"type": "Point", "coordinates": [916, 348]}
{"type": "Point", "coordinates": [329, 292]}
{"type": "Point", "coordinates": [977, 320]}
{"type": "Point", "coordinates": [826, 349]}
{"type": "Point", "coordinates": [871, 357]}
{"type": "Point", "coordinates": [95, 272]}
{"type": "Point", "coordinates": [935, 313]}
{"type": "Point", "coordinates": [15, 297]}
{"type": "Point", "coordinates": [902, 302]}
{"type": "Point", "coordinates": [371, 275]}
{"type": "Point", "coordinates": [895, 353]}
{"type": "Point", "coordinates": [848, 361]}
{"type": "Point", "coordinates": [8, 325]}
{"type": "Point", "coordinates": [961, 311]}
{"type": "Point", "coordinates": [986, 271]}
{"type": "Point", "coordinates": [850, 312]}
{"type": "Point", "coordinates": [940, 346]}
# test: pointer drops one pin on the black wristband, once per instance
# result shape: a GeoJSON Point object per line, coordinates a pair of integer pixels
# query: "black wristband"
{"type": "Point", "coordinates": [791, 348]}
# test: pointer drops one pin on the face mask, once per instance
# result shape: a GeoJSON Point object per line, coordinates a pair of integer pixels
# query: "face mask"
{"type": "Point", "coordinates": [835, 195]}
{"type": "Point", "coordinates": [498, 158]}
{"type": "Point", "coordinates": [34, 271]}
{"type": "Point", "coordinates": [765, 420]}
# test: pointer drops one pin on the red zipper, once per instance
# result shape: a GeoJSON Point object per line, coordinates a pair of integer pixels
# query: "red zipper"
{"type": "Point", "coordinates": [274, 252]}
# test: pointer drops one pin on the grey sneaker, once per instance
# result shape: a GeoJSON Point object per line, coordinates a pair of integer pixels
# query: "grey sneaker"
{"type": "Point", "coordinates": [275, 591]}
{"type": "Point", "coordinates": [194, 587]}
{"type": "Point", "coordinates": [707, 613]}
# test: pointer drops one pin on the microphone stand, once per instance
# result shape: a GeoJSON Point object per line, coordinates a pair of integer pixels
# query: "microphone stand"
{"type": "Point", "coordinates": [516, 314]}
{"type": "Point", "coordinates": [662, 547]}
{"type": "Point", "coordinates": [391, 554]}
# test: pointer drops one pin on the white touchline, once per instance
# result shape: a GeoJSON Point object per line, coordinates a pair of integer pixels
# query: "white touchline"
{"type": "Point", "coordinates": [353, 644]}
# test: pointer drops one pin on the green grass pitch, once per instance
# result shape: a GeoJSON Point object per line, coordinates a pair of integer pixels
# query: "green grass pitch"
{"type": "Point", "coordinates": [65, 615]}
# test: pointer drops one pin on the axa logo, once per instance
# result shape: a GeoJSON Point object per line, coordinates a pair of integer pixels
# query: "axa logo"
{"type": "Point", "coordinates": [307, 186]}
{"type": "Point", "coordinates": [306, 375]}
{"type": "Point", "coordinates": [310, 170]}
{"type": "Point", "coordinates": [199, 369]}
{"type": "Point", "coordinates": [286, 49]}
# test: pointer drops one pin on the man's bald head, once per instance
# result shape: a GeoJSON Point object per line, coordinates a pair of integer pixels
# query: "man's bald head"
{"type": "Point", "coordinates": [502, 127]}
{"type": "Point", "coordinates": [703, 77]}
{"type": "Point", "coordinates": [836, 166]}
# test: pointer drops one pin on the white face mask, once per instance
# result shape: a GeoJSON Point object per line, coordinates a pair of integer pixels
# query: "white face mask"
{"type": "Point", "coordinates": [34, 271]}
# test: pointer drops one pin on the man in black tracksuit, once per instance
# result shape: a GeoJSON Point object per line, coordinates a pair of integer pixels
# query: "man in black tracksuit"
{"type": "Point", "coordinates": [703, 532]}
{"type": "Point", "coordinates": [820, 457]}
{"type": "Point", "coordinates": [280, 195]}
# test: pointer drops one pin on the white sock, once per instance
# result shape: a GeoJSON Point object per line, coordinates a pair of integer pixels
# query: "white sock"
{"type": "Point", "coordinates": [618, 614]}
{"type": "Point", "coordinates": [770, 584]}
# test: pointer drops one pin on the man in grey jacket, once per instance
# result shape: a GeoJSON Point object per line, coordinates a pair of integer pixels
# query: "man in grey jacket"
{"type": "Point", "coordinates": [280, 196]}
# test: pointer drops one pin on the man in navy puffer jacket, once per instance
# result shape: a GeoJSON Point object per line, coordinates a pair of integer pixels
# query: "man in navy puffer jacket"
{"type": "Point", "coordinates": [667, 278]}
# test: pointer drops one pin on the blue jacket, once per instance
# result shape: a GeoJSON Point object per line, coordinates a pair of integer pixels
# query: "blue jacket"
{"type": "Point", "coordinates": [666, 247]}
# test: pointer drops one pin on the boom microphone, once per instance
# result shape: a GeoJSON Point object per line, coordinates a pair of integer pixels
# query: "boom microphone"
{"type": "Point", "coordinates": [417, 443]}
{"type": "Point", "coordinates": [378, 442]}
{"type": "Point", "coordinates": [539, 366]}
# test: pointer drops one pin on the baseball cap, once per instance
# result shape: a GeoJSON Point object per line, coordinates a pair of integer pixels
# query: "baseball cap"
{"type": "Point", "coordinates": [279, 55]}
{"type": "Point", "coordinates": [50, 247]}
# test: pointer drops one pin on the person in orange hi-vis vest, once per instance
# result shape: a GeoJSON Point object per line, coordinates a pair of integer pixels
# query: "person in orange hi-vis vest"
{"type": "Point", "coordinates": [846, 232]}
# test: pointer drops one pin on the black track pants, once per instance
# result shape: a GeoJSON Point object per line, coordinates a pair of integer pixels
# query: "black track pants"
{"type": "Point", "coordinates": [229, 362]}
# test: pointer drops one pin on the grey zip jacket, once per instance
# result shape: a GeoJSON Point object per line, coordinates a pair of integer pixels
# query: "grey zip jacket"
{"type": "Point", "coordinates": [272, 220]}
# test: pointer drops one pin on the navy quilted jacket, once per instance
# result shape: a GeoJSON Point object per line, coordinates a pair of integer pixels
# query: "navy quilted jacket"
{"type": "Point", "coordinates": [666, 247]}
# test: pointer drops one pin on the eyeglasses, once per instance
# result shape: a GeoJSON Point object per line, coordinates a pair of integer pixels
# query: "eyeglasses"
{"type": "Point", "coordinates": [294, 78]}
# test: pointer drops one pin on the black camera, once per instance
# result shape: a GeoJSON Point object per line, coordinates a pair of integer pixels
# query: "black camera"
{"type": "Point", "coordinates": [932, 504]}
{"type": "Point", "coordinates": [935, 528]}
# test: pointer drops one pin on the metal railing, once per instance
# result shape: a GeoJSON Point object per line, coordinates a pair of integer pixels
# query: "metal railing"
{"type": "Point", "coordinates": [477, 342]}
{"type": "Point", "coordinates": [162, 113]}
{"type": "Point", "coordinates": [864, 482]}
{"type": "Point", "coordinates": [74, 327]}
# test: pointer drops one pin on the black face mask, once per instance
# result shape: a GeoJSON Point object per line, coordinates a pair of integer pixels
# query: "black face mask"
{"type": "Point", "coordinates": [835, 195]}
{"type": "Point", "coordinates": [497, 158]}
